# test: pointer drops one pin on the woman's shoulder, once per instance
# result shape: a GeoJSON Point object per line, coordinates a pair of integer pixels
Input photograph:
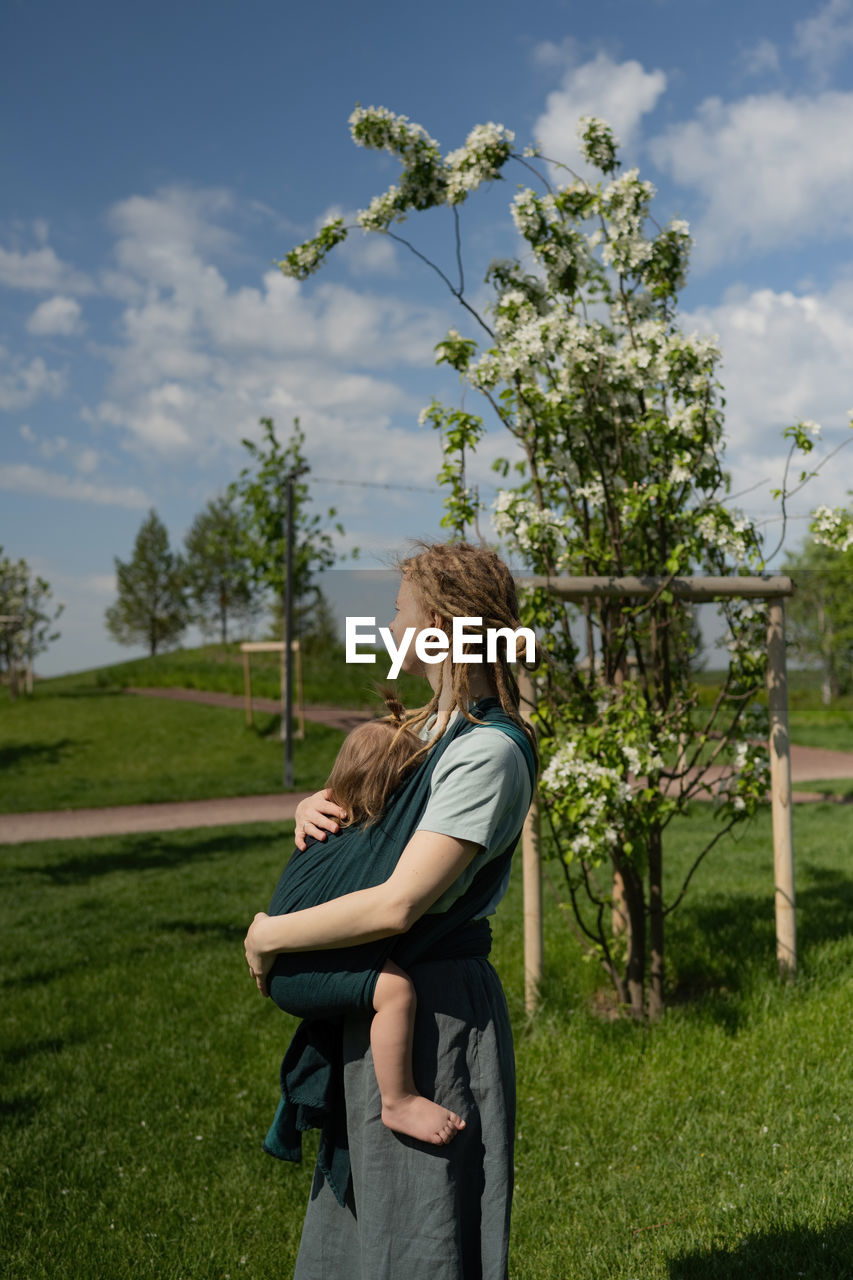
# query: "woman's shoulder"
{"type": "Point", "coordinates": [488, 750]}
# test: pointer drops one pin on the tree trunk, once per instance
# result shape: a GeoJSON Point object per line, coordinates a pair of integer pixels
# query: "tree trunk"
{"type": "Point", "coordinates": [656, 963]}
{"type": "Point", "coordinates": [636, 937]}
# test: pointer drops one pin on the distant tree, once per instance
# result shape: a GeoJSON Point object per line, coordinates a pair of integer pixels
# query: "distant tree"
{"type": "Point", "coordinates": [151, 608]}
{"type": "Point", "coordinates": [217, 571]}
{"type": "Point", "coordinates": [26, 620]}
{"type": "Point", "coordinates": [821, 612]}
{"type": "Point", "coordinates": [261, 493]}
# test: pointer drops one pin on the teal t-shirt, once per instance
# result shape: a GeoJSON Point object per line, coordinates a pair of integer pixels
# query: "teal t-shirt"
{"type": "Point", "coordinates": [480, 790]}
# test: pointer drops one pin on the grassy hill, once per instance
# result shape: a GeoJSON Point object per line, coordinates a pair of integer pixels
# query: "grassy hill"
{"type": "Point", "coordinates": [327, 677]}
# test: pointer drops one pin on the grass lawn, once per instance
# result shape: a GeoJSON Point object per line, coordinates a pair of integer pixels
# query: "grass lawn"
{"type": "Point", "coordinates": [73, 747]}
{"type": "Point", "coordinates": [139, 1073]}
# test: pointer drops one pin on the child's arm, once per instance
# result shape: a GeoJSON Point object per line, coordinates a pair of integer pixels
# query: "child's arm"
{"type": "Point", "coordinates": [428, 865]}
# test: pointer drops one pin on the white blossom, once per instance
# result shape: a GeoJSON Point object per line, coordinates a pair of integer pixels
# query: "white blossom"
{"type": "Point", "coordinates": [832, 528]}
{"type": "Point", "coordinates": [486, 149]}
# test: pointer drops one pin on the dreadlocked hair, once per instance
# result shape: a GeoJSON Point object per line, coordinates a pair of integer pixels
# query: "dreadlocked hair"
{"type": "Point", "coordinates": [372, 762]}
{"type": "Point", "coordinates": [459, 580]}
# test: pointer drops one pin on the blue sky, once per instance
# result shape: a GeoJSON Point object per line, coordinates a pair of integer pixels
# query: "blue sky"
{"type": "Point", "coordinates": [158, 158]}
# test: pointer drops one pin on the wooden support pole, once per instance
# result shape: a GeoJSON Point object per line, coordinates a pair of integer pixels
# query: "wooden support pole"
{"type": "Point", "coordinates": [532, 868]}
{"type": "Point", "coordinates": [247, 684]}
{"type": "Point", "coordinates": [780, 788]}
{"type": "Point", "coordinates": [698, 589]}
{"type": "Point", "coordinates": [532, 877]}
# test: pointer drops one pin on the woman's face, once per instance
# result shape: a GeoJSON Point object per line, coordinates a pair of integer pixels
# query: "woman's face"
{"type": "Point", "coordinates": [410, 613]}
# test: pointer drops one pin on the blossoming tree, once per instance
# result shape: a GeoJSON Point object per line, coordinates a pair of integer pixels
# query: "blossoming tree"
{"type": "Point", "coordinates": [614, 426]}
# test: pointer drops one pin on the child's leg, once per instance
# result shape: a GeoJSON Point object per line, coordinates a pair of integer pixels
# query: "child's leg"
{"type": "Point", "coordinates": [391, 1036]}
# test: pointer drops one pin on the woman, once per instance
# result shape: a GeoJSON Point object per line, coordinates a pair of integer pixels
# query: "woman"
{"type": "Point", "coordinates": [414, 1211]}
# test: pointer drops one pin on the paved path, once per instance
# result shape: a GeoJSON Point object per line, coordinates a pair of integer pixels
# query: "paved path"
{"type": "Point", "coordinates": [71, 824]}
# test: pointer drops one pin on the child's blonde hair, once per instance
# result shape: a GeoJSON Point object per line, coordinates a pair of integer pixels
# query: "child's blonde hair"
{"type": "Point", "coordinates": [371, 763]}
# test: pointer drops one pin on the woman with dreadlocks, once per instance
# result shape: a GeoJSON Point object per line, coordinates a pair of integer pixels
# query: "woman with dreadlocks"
{"type": "Point", "coordinates": [385, 1206]}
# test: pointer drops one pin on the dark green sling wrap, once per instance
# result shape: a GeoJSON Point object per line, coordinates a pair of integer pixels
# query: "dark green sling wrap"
{"type": "Point", "coordinates": [321, 986]}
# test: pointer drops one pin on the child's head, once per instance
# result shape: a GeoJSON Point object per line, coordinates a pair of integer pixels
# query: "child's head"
{"type": "Point", "coordinates": [371, 763]}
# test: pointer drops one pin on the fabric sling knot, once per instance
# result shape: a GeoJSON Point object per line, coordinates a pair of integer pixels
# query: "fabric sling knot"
{"type": "Point", "coordinates": [321, 986]}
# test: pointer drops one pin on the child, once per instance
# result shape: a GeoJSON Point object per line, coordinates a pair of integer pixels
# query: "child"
{"type": "Point", "coordinates": [371, 764]}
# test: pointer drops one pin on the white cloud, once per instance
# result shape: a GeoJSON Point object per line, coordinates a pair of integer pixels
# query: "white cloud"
{"type": "Point", "coordinates": [620, 93]}
{"type": "Point", "coordinates": [57, 315]}
{"type": "Point", "coordinates": [48, 449]}
{"type": "Point", "coordinates": [548, 53]}
{"type": "Point", "coordinates": [22, 383]}
{"type": "Point", "coordinates": [23, 478]}
{"type": "Point", "coordinates": [161, 238]}
{"type": "Point", "coordinates": [41, 270]}
{"type": "Point", "coordinates": [102, 584]}
{"type": "Point", "coordinates": [770, 170]}
{"type": "Point", "coordinates": [824, 39]}
{"type": "Point", "coordinates": [87, 460]}
{"type": "Point", "coordinates": [786, 357]}
{"type": "Point", "coordinates": [199, 361]}
{"type": "Point", "coordinates": [761, 59]}
{"type": "Point", "coordinates": [84, 458]}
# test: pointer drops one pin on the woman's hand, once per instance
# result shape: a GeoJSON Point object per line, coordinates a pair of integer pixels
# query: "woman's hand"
{"type": "Point", "coordinates": [259, 961]}
{"type": "Point", "coordinates": [316, 815]}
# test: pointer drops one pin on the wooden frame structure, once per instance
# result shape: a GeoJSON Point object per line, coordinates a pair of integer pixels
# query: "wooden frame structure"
{"type": "Point", "coordinates": [699, 591]}
{"type": "Point", "coordinates": [274, 646]}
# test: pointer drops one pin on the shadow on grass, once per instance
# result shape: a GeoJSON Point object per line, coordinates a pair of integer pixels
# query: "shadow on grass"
{"type": "Point", "coordinates": [16, 1112]}
{"type": "Point", "coordinates": [36, 752]}
{"type": "Point", "coordinates": [41, 977]}
{"type": "Point", "coordinates": [816, 1255]}
{"type": "Point", "coordinates": [159, 850]}
{"type": "Point", "coordinates": [825, 907]}
{"type": "Point", "coordinates": [23, 1052]}
{"type": "Point", "coordinates": [719, 949]}
{"type": "Point", "coordinates": [68, 692]}
{"type": "Point", "coordinates": [221, 930]}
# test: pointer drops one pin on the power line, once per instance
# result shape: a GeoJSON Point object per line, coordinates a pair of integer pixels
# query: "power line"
{"type": "Point", "coordinates": [374, 484]}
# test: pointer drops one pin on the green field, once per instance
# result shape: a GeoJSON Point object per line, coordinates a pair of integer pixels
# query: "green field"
{"type": "Point", "coordinates": [75, 747]}
{"type": "Point", "coordinates": [139, 1073]}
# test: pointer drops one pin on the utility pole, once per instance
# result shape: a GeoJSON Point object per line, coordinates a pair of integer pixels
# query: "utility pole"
{"type": "Point", "coordinates": [287, 683]}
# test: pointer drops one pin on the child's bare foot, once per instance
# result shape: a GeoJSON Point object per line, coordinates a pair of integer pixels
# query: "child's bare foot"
{"type": "Point", "coordinates": [419, 1118]}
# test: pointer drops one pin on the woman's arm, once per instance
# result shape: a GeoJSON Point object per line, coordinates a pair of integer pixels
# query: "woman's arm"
{"type": "Point", "coordinates": [428, 865]}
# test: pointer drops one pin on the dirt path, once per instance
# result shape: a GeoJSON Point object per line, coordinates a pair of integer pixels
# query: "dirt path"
{"type": "Point", "coordinates": [343, 718]}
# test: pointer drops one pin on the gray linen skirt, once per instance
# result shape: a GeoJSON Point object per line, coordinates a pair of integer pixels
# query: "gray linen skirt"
{"type": "Point", "coordinates": [418, 1212]}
